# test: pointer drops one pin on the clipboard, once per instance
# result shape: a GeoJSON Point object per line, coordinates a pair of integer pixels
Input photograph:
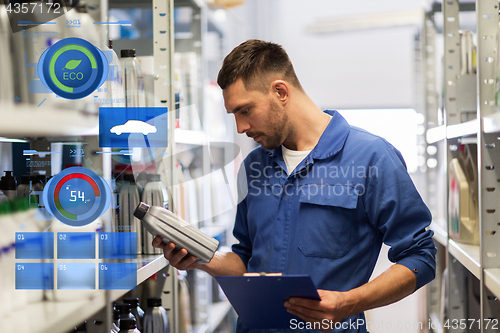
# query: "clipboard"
{"type": "Point", "coordinates": [258, 300]}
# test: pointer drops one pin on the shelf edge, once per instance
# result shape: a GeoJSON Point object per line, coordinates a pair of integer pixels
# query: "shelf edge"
{"type": "Point", "coordinates": [468, 255]}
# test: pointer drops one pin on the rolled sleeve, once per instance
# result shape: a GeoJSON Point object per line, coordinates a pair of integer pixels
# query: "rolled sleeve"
{"type": "Point", "coordinates": [396, 209]}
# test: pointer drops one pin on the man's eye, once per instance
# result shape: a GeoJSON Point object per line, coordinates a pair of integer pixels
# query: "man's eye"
{"type": "Point", "coordinates": [244, 112]}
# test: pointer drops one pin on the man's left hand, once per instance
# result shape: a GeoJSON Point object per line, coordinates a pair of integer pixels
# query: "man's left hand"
{"type": "Point", "coordinates": [331, 307]}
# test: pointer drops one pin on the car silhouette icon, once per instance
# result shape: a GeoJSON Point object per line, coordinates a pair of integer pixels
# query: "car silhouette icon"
{"type": "Point", "coordinates": [133, 126]}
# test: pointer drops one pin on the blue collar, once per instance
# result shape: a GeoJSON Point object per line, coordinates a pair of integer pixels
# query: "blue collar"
{"type": "Point", "coordinates": [331, 141]}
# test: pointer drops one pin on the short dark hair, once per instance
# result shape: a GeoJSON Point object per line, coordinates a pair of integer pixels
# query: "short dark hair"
{"type": "Point", "coordinates": [257, 62]}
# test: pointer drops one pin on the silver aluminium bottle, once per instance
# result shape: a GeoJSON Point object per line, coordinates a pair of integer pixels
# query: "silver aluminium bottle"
{"type": "Point", "coordinates": [155, 318]}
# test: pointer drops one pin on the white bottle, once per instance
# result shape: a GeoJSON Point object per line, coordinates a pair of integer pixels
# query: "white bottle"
{"type": "Point", "coordinates": [133, 83]}
{"type": "Point", "coordinates": [154, 194]}
{"type": "Point", "coordinates": [115, 86]}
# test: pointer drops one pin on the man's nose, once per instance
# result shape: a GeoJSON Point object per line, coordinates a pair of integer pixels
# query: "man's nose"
{"type": "Point", "coordinates": [242, 126]}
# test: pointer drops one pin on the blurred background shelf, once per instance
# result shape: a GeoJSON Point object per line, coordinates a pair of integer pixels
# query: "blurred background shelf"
{"type": "Point", "coordinates": [22, 120]}
{"type": "Point", "coordinates": [61, 316]}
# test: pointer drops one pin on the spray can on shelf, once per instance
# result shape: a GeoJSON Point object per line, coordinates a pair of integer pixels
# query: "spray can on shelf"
{"type": "Point", "coordinates": [155, 318]}
{"type": "Point", "coordinates": [154, 194]}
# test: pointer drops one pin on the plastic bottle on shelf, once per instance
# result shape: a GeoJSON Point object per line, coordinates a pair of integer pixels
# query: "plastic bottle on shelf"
{"type": "Point", "coordinates": [116, 321]}
{"type": "Point", "coordinates": [133, 83]}
{"type": "Point", "coordinates": [136, 310]}
{"type": "Point", "coordinates": [128, 325]}
{"type": "Point", "coordinates": [125, 310]}
{"type": "Point", "coordinates": [129, 199]}
{"type": "Point", "coordinates": [154, 194]}
{"type": "Point", "coordinates": [117, 94]}
{"type": "Point", "coordinates": [8, 185]}
{"type": "Point", "coordinates": [23, 190]}
{"type": "Point", "coordinates": [463, 197]}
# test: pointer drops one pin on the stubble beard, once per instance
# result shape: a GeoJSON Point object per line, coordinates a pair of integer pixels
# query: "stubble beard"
{"type": "Point", "coordinates": [277, 125]}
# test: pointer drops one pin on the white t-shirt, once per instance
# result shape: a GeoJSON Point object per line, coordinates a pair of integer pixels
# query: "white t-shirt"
{"type": "Point", "coordinates": [293, 157]}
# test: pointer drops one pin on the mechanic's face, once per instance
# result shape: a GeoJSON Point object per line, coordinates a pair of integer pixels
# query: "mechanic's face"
{"type": "Point", "coordinates": [257, 115]}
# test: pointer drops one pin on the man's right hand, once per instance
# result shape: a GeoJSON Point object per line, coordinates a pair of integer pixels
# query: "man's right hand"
{"type": "Point", "coordinates": [177, 258]}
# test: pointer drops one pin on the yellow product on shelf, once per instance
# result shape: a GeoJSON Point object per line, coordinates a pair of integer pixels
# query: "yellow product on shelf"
{"type": "Point", "coordinates": [462, 207]}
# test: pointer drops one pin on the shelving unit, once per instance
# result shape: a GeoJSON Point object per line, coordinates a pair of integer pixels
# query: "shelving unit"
{"type": "Point", "coordinates": [42, 125]}
{"type": "Point", "coordinates": [61, 316]}
{"type": "Point", "coordinates": [35, 123]}
{"type": "Point", "coordinates": [467, 264]}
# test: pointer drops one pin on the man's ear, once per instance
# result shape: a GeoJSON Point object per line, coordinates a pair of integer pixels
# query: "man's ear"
{"type": "Point", "coordinates": [281, 90]}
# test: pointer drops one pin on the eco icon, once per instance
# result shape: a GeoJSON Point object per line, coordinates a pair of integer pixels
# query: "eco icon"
{"type": "Point", "coordinates": [72, 64]}
{"type": "Point", "coordinates": [73, 68]}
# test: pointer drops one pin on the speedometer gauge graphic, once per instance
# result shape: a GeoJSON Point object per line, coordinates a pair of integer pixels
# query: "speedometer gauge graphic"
{"type": "Point", "coordinates": [76, 196]}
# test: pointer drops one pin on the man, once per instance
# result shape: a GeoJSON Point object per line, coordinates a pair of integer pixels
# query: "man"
{"type": "Point", "coordinates": [322, 197]}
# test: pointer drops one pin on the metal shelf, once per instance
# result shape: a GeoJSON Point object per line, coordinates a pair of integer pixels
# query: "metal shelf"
{"type": "Point", "coordinates": [60, 316]}
{"type": "Point", "coordinates": [492, 280]}
{"type": "Point", "coordinates": [218, 311]}
{"type": "Point", "coordinates": [491, 124]}
{"type": "Point", "coordinates": [436, 134]}
{"type": "Point", "coordinates": [24, 120]}
{"type": "Point", "coordinates": [470, 127]}
{"type": "Point", "coordinates": [468, 255]}
{"type": "Point", "coordinates": [463, 129]}
{"type": "Point", "coordinates": [440, 235]}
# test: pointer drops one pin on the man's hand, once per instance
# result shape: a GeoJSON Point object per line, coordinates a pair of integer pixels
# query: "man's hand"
{"type": "Point", "coordinates": [176, 257]}
{"type": "Point", "coordinates": [223, 263]}
{"type": "Point", "coordinates": [394, 284]}
{"type": "Point", "coordinates": [331, 307]}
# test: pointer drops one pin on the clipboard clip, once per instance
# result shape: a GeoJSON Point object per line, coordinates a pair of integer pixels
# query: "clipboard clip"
{"type": "Point", "coordinates": [263, 274]}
